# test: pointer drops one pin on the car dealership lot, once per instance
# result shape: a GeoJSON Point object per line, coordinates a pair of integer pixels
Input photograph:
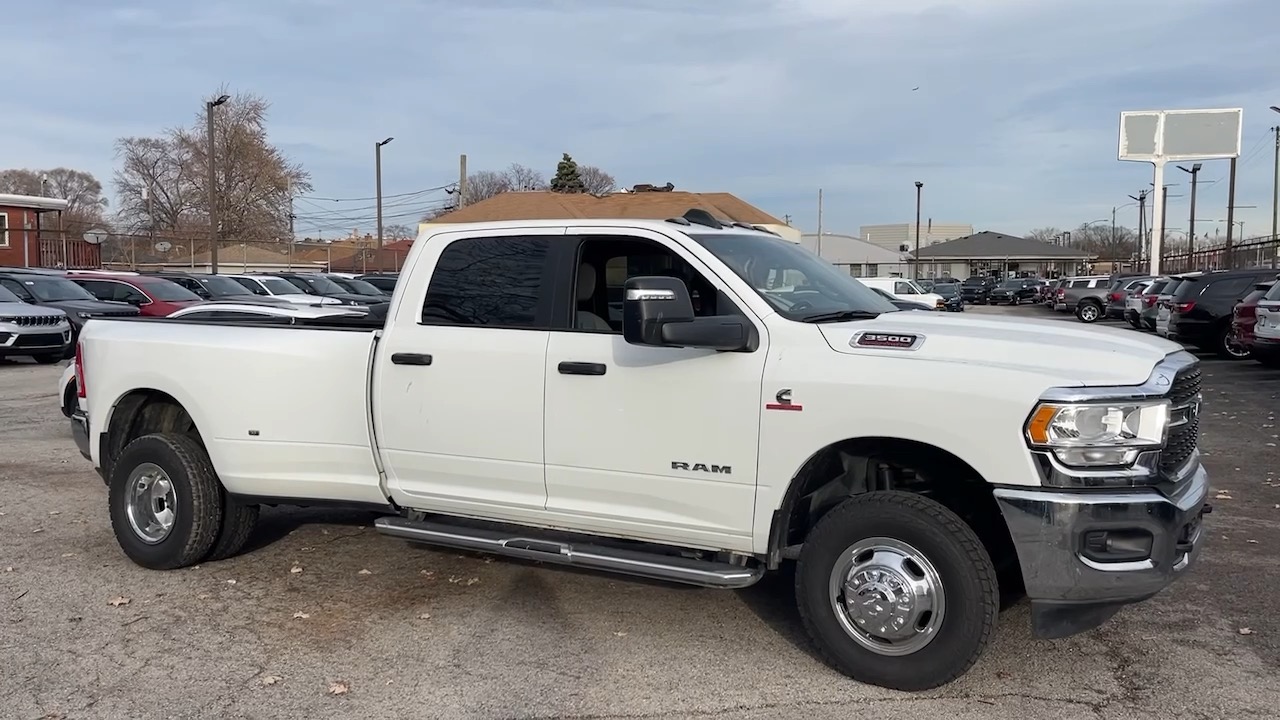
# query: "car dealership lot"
{"type": "Point", "coordinates": [408, 631]}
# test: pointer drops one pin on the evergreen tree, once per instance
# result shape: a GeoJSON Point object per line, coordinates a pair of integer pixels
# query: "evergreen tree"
{"type": "Point", "coordinates": [567, 179]}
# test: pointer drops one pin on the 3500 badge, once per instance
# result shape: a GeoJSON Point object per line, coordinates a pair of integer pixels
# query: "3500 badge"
{"type": "Point", "coordinates": [892, 341]}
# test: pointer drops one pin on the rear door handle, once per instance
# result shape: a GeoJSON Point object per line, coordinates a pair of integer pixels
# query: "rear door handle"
{"type": "Point", "coordinates": [581, 368]}
{"type": "Point", "coordinates": [410, 358]}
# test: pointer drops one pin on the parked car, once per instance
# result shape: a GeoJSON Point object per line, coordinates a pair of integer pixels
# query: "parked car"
{"type": "Point", "coordinates": [218, 287]}
{"type": "Point", "coordinates": [904, 289]}
{"type": "Point", "coordinates": [950, 294]}
{"type": "Point", "coordinates": [902, 304]}
{"type": "Point", "coordinates": [318, 285]}
{"type": "Point", "coordinates": [1146, 304]}
{"type": "Point", "coordinates": [280, 289]}
{"type": "Point", "coordinates": [1133, 304]}
{"type": "Point", "coordinates": [1164, 308]}
{"type": "Point", "coordinates": [386, 282]}
{"type": "Point", "coordinates": [1244, 316]}
{"type": "Point", "coordinates": [153, 296]}
{"type": "Point", "coordinates": [1118, 294]}
{"type": "Point", "coordinates": [1201, 309]}
{"type": "Point", "coordinates": [550, 435]}
{"type": "Point", "coordinates": [1014, 291]}
{"type": "Point", "coordinates": [40, 333]}
{"type": "Point", "coordinates": [356, 286]}
{"type": "Point", "coordinates": [1266, 332]}
{"type": "Point", "coordinates": [1084, 296]}
{"type": "Point", "coordinates": [976, 289]}
{"type": "Point", "coordinates": [54, 291]}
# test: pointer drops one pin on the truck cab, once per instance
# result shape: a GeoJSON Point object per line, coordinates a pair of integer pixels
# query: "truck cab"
{"type": "Point", "coordinates": [688, 400]}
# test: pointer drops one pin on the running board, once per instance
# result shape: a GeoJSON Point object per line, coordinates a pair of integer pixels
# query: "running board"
{"type": "Point", "coordinates": [703, 573]}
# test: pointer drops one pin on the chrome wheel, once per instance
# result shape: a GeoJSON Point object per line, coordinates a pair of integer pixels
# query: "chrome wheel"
{"type": "Point", "coordinates": [1233, 347]}
{"type": "Point", "coordinates": [1089, 313]}
{"type": "Point", "coordinates": [150, 503]}
{"type": "Point", "coordinates": [887, 596]}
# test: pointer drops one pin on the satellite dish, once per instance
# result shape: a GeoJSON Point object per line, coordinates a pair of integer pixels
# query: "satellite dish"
{"type": "Point", "coordinates": [95, 236]}
{"type": "Point", "coordinates": [164, 246]}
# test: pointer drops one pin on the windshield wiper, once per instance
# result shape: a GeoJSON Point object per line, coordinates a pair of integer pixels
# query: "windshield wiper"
{"type": "Point", "coordinates": [839, 315]}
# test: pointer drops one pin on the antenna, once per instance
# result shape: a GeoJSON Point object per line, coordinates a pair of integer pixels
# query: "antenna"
{"type": "Point", "coordinates": [702, 217]}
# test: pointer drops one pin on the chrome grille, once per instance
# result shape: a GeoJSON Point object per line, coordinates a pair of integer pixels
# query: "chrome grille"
{"type": "Point", "coordinates": [38, 320]}
{"type": "Point", "coordinates": [1184, 397]}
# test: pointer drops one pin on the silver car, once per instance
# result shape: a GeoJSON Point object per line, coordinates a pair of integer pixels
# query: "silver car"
{"type": "Point", "coordinates": [40, 333]}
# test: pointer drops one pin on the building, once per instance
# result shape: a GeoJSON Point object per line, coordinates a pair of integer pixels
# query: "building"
{"type": "Point", "coordinates": [857, 257]}
{"type": "Point", "coordinates": [901, 237]}
{"type": "Point", "coordinates": [993, 253]}
{"type": "Point", "coordinates": [640, 204]}
{"type": "Point", "coordinates": [30, 237]}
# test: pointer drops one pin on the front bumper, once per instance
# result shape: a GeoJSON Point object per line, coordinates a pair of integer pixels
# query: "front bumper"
{"type": "Point", "coordinates": [80, 432]}
{"type": "Point", "coordinates": [1055, 532]}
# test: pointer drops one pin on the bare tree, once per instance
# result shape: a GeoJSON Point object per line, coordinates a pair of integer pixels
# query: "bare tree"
{"type": "Point", "coordinates": [1044, 234]}
{"type": "Point", "coordinates": [485, 184]}
{"type": "Point", "coordinates": [391, 233]}
{"type": "Point", "coordinates": [253, 183]}
{"type": "Point", "coordinates": [596, 181]}
{"type": "Point", "coordinates": [1099, 239]}
{"type": "Point", "coordinates": [525, 178]}
{"type": "Point", "coordinates": [81, 190]}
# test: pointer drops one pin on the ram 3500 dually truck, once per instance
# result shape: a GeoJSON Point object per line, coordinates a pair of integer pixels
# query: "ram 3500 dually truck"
{"type": "Point", "coordinates": [690, 400]}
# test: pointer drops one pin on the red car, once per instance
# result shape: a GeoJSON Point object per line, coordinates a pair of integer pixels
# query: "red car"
{"type": "Point", "coordinates": [1245, 314]}
{"type": "Point", "coordinates": [153, 296]}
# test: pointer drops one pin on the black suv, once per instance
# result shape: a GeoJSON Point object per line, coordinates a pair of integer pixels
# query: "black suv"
{"type": "Point", "coordinates": [50, 290]}
{"type": "Point", "coordinates": [1015, 291]}
{"type": "Point", "coordinates": [1200, 312]}
{"type": "Point", "coordinates": [217, 287]}
{"type": "Point", "coordinates": [977, 289]}
{"type": "Point", "coordinates": [386, 282]}
{"type": "Point", "coordinates": [317, 284]}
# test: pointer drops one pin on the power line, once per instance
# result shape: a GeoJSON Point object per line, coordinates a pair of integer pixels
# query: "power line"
{"type": "Point", "coordinates": [384, 197]}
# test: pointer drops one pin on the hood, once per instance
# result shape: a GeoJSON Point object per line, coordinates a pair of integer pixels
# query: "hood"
{"type": "Point", "coordinates": [1076, 353]}
{"type": "Point", "coordinates": [25, 310]}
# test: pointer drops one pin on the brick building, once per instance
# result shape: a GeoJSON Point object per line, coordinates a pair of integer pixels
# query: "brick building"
{"type": "Point", "coordinates": [30, 237]}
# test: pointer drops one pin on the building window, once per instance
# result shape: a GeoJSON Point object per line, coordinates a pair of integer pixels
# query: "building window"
{"type": "Point", "coordinates": [872, 270]}
{"type": "Point", "coordinates": [855, 269]}
{"type": "Point", "coordinates": [4, 230]}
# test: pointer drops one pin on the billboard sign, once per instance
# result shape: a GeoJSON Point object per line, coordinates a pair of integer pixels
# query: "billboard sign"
{"type": "Point", "coordinates": [1178, 135]}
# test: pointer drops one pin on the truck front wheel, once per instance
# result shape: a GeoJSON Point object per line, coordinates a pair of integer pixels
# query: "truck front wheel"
{"type": "Point", "coordinates": [166, 501]}
{"type": "Point", "coordinates": [897, 591]}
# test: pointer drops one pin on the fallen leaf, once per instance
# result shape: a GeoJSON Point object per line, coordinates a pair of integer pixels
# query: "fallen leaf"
{"type": "Point", "coordinates": [202, 596]}
{"type": "Point", "coordinates": [37, 530]}
{"type": "Point", "coordinates": [424, 616]}
{"type": "Point", "coordinates": [473, 581]}
{"type": "Point", "coordinates": [427, 573]}
{"type": "Point", "coordinates": [454, 579]}
{"type": "Point", "coordinates": [390, 681]}
{"type": "Point", "coordinates": [55, 512]}
{"type": "Point", "coordinates": [1252, 542]}
{"type": "Point", "coordinates": [231, 582]}
{"type": "Point", "coordinates": [271, 679]}
{"type": "Point", "coordinates": [1003, 675]}
{"type": "Point", "coordinates": [323, 531]}
{"type": "Point", "coordinates": [118, 601]}
{"type": "Point", "coordinates": [300, 615]}
{"type": "Point", "coordinates": [68, 554]}
{"type": "Point", "coordinates": [10, 568]}
{"type": "Point", "coordinates": [1223, 496]}
{"type": "Point", "coordinates": [338, 687]}
{"type": "Point", "coordinates": [295, 569]}
{"type": "Point", "coordinates": [620, 633]}
{"type": "Point", "coordinates": [1245, 631]}
{"type": "Point", "coordinates": [364, 572]}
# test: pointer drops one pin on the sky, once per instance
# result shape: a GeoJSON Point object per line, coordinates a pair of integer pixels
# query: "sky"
{"type": "Point", "coordinates": [1006, 110]}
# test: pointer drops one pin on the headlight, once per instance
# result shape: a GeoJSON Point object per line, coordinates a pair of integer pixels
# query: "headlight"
{"type": "Point", "coordinates": [1098, 434]}
{"type": "Point", "coordinates": [84, 315]}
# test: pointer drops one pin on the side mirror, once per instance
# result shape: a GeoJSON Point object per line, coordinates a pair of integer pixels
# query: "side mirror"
{"type": "Point", "coordinates": [136, 300]}
{"type": "Point", "coordinates": [658, 311]}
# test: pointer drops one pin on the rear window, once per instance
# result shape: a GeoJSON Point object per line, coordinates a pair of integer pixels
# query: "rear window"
{"type": "Point", "coordinates": [1228, 287]}
{"type": "Point", "coordinates": [1172, 287]}
{"type": "Point", "coordinates": [1156, 287]}
{"type": "Point", "coordinates": [1273, 293]}
{"type": "Point", "coordinates": [1188, 287]}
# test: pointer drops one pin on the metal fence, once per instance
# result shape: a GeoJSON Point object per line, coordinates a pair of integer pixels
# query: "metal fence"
{"type": "Point", "coordinates": [186, 252]}
{"type": "Point", "coordinates": [1262, 252]}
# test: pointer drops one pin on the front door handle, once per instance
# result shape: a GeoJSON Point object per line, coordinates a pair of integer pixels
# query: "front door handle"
{"type": "Point", "coordinates": [581, 368]}
{"type": "Point", "coordinates": [410, 358]}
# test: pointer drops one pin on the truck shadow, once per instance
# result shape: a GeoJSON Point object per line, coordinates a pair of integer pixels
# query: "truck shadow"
{"type": "Point", "coordinates": [277, 522]}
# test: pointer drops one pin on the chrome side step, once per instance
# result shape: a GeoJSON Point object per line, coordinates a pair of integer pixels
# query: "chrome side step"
{"type": "Point", "coordinates": [704, 573]}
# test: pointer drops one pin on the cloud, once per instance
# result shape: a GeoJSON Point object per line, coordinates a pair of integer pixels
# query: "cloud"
{"type": "Point", "coordinates": [1013, 125]}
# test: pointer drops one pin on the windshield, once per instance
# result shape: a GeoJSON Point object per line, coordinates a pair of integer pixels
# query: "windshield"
{"type": "Point", "coordinates": [55, 289]}
{"type": "Point", "coordinates": [1273, 293]}
{"type": "Point", "coordinates": [975, 281]}
{"type": "Point", "coordinates": [793, 280]}
{"type": "Point", "coordinates": [359, 287]}
{"type": "Point", "coordinates": [321, 285]}
{"type": "Point", "coordinates": [219, 286]}
{"type": "Point", "coordinates": [1011, 284]}
{"type": "Point", "coordinates": [947, 289]}
{"type": "Point", "coordinates": [166, 291]}
{"type": "Point", "coordinates": [8, 297]}
{"type": "Point", "coordinates": [277, 286]}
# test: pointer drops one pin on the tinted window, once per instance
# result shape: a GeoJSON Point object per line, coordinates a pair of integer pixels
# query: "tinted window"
{"type": "Point", "coordinates": [168, 291]}
{"type": "Point", "coordinates": [1228, 287]}
{"type": "Point", "coordinates": [7, 296]}
{"type": "Point", "coordinates": [1273, 293]}
{"type": "Point", "coordinates": [54, 289]}
{"type": "Point", "coordinates": [490, 281]}
{"type": "Point", "coordinates": [1156, 287]}
{"type": "Point", "coordinates": [252, 285]}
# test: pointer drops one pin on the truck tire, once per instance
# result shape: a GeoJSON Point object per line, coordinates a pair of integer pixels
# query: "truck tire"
{"type": "Point", "coordinates": [165, 502]}
{"type": "Point", "coordinates": [1089, 311]}
{"type": "Point", "coordinates": [925, 583]}
{"type": "Point", "coordinates": [238, 521]}
{"type": "Point", "coordinates": [48, 358]}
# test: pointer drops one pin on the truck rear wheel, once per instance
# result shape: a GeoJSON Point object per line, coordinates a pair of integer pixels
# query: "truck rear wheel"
{"type": "Point", "coordinates": [165, 501]}
{"type": "Point", "coordinates": [897, 591]}
{"type": "Point", "coordinates": [238, 521]}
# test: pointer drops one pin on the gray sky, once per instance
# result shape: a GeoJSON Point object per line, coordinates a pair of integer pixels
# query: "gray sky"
{"type": "Point", "coordinates": [1014, 124]}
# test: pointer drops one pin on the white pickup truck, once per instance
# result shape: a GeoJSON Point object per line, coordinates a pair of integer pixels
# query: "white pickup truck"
{"type": "Point", "coordinates": [686, 400]}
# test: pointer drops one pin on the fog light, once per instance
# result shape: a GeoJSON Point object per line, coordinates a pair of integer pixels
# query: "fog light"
{"type": "Point", "coordinates": [1115, 546]}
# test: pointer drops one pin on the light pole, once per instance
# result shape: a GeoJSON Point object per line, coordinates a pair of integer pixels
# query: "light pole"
{"type": "Point", "coordinates": [1275, 195]}
{"type": "Point", "coordinates": [916, 265]}
{"type": "Point", "coordinates": [377, 163]}
{"type": "Point", "coordinates": [1191, 232]}
{"type": "Point", "coordinates": [213, 188]}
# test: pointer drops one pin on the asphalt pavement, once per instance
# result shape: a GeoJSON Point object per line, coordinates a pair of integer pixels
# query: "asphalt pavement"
{"type": "Point", "coordinates": [324, 618]}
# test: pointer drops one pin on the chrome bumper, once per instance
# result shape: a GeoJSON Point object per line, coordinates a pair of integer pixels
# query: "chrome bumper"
{"type": "Point", "coordinates": [1062, 543]}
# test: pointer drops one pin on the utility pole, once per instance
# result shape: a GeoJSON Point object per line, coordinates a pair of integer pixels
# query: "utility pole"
{"type": "Point", "coordinates": [1275, 197]}
{"type": "Point", "coordinates": [1191, 234]}
{"type": "Point", "coordinates": [915, 267]}
{"type": "Point", "coordinates": [292, 235]}
{"type": "Point", "coordinates": [1142, 222]}
{"type": "Point", "coordinates": [818, 246]}
{"type": "Point", "coordinates": [1231, 215]}
{"type": "Point", "coordinates": [378, 172]}
{"type": "Point", "coordinates": [213, 184]}
{"type": "Point", "coordinates": [462, 179]}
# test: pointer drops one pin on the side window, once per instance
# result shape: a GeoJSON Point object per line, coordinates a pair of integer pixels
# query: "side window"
{"type": "Point", "coordinates": [127, 293]}
{"type": "Point", "coordinates": [901, 288]}
{"type": "Point", "coordinates": [97, 288]}
{"type": "Point", "coordinates": [605, 264]}
{"type": "Point", "coordinates": [1228, 288]}
{"type": "Point", "coordinates": [250, 285]}
{"type": "Point", "coordinates": [495, 282]}
{"type": "Point", "coordinates": [16, 288]}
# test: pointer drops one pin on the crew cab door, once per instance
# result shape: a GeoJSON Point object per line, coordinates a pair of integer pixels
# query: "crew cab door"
{"type": "Point", "coordinates": [651, 442]}
{"type": "Point", "coordinates": [458, 377]}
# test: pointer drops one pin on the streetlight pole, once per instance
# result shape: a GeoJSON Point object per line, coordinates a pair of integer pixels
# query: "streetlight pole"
{"type": "Point", "coordinates": [377, 163]}
{"type": "Point", "coordinates": [213, 187]}
{"type": "Point", "coordinates": [1275, 195]}
{"type": "Point", "coordinates": [916, 265]}
{"type": "Point", "coordinates": [1191, 232]}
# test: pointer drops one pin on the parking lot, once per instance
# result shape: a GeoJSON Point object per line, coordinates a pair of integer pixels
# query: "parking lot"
{"type": "Point", "coordinates": [323, 618]}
